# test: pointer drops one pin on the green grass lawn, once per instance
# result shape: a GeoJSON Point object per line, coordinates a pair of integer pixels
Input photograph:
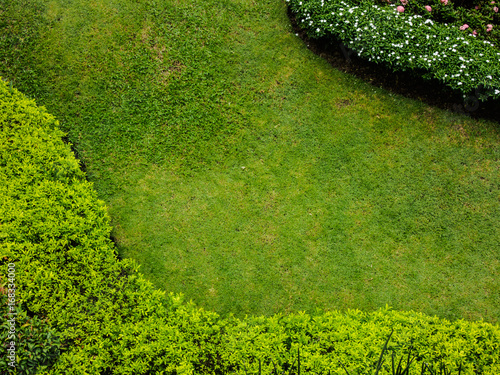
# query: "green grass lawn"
{"type": "Point", "coordinates": [245, 172]}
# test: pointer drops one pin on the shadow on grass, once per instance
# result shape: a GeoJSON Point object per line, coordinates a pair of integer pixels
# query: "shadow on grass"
{"type": "Point", "coordinates": [409, 84]}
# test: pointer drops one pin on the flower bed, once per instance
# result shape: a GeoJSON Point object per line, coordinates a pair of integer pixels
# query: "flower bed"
{"type": "Point", "coordinates": [406, 41]}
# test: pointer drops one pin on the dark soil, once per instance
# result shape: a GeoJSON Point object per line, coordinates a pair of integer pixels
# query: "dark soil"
{"type": "Point", "coordinates": [409, 84]}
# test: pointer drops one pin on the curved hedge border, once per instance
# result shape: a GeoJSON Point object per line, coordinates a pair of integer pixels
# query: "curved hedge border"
{"type": "Point", "coordinates": [112, 321]}
{"type": "Point", "coordinates": [406, 42]}
{"type": "Point", "coordinates": [57, 233]}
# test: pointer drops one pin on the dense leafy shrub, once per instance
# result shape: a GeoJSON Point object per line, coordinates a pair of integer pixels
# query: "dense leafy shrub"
{"type": "Point", "coordinates": [112, 321]}
{"type": "Point", "coordinates": [56, 232]}
{"type": "Point", "coordinates": [406, 42]}
{"type": "Point", "coordinates": [356, 338]}
{"type": "Point", "coordinates": [455, 13]}
{"type": "Point", "coordinates": [35, 345]}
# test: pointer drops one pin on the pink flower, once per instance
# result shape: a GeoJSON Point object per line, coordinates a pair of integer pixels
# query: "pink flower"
{"type": "Point", "coordinates": [476, 7]}
{"type": "Point", "coordinates": [495, 9]}
{"type": "Point", "coordinates": [492, 2]}
{"type": "Point", "coordinates": [489, 27]}
{"type": "Point", "coordinates": [445, 2]}
{"type": "Point", "coordinates": [404, 2]}
{"type": "Point", "coordinates": [428, 8]}
{"type": "Point", "coordinates": [464, 26]}
{"type": "Point", "coordinates": [400, 9]}
{"type": "Point", "coordinates": [474, 33]}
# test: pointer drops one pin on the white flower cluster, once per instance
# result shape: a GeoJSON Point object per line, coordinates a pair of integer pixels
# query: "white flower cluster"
{"type": "Point", "coordinates": [404, 41]}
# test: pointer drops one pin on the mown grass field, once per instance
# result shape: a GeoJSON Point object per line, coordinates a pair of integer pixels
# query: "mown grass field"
{"type": "Point", "coordinates": [245, 172]}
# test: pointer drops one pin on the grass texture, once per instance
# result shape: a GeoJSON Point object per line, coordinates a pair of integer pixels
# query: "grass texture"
{"type": "Point", "coordinates": [245, 172]}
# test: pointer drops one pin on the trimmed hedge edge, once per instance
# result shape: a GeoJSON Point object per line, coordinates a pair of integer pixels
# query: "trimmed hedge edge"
{"type": "Point", "coordinates": [83, 311]}
{"type": "Point", "coordinates": [405, 42]}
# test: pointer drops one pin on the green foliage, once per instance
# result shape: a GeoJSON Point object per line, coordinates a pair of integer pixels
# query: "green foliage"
{"type": "Point", "coordinates": [112, 321]}
{"type": "Point", "coordinates": [406, 42]}
{"type": "Point", "coordinates": [453, 13]}
{"type": "Point", "coordinates": [444, 13]}
{"type": "Point", "coordinates": [56, 232]}
{"type": "Point", "coordinates": [36, 346]}
{"type": "Point", "coordinates": [331, 340]}
{"type": "Point", "coordinates": [166, 101]}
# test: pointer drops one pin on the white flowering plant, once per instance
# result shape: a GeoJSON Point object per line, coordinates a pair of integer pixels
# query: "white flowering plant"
{"type": "Point", "coordinates": [405, 42]}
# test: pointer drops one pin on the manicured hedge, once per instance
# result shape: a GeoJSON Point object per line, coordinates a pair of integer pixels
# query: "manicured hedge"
{"type": "Point", "coordinates": [57, 233]}
{"type": "Point", "coordinates": [404, 41]}
{"type": "Point", "coordinates": [95, 314]}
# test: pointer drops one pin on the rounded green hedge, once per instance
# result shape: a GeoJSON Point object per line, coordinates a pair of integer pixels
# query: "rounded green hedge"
{"type": "Point", "coordinates": [404, 41]}
{"type": "Point", "coordinates": [95, 314]}
{"type": "Point", "coordinates": [57, 233]}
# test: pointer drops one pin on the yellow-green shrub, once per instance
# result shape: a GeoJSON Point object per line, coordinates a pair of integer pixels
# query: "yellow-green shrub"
{"type": "Point", "coordinates": [110, 320]}
{"type": "Point", "coordinates": [57, 233]}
